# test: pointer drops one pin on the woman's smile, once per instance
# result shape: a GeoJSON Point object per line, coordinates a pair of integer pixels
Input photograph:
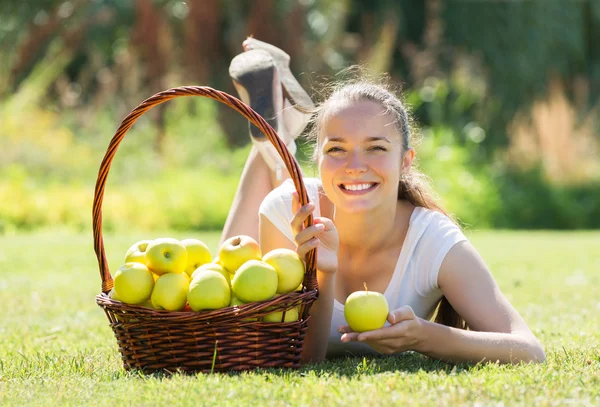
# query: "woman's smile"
{"type": "Point", "coordinates": [362, 188]}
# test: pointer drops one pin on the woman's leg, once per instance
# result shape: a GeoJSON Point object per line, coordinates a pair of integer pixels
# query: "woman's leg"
{"type": "Point", "coordinates": [256, 83]}
{"type": "Point", "coordinates": [256, 182]}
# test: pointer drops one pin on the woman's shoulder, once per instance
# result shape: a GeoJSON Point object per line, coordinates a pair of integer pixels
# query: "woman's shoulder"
{"type": "Point", "coordinates": [283, 193]}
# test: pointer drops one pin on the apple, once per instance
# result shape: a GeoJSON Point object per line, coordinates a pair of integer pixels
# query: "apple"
{"type": "Point", "coordinates": [255, 280]}
{"type": "Point", "coordinates": [166, 255]}
{"type": "Point", "coordinates": [133, 283]}
{"type": "Point", "coordinates": [237, 250]}
{"type": "Point", "coordinates": [137, 252]}
{"type": "Point", "coordinates": [289, 267]}
{"type": "Point", "coordinates": [291, 315]}
{"type": "Point", "coordinates": [366, 310]}
{"type": "Point", "coordinates": [208, 290]}
{"type": "Point", "coordinates": [235, 301]}
{"type": "Point", "coordinates": [197, 254]}
{"type": "Point", "coordinates": [170, 291]}
{"type": "Point", "coordinates": [113, 295]}
{"type": "Point", "coordinates": [213, 267]}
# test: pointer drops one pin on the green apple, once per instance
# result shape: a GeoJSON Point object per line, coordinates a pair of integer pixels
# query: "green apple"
{"type": "Point", "coordinates": [255, 280]}
{"type": "Point", "coordinates": [213, 267]}
{"type": "Point", "coordinates": [234, 301]}
{"type": "Point", "coordinates": [208, 290]}
{"type": "Point", "coordinates": [113, 295]}
{"type": "Point", "coordinates": [197, 254]}
{"type": "Point", "coordinates": [366, 310]}
{"type": "Point", "coordinates": [291, 315]}
{"type": "Point", "coordinates": [289, 267]}
{"type": "Point", "coordinates": [237, 250]}
{"type": "Point", "coordinates": [133, 283]}
{"type": "Point", "coordinates": [166, 255]}
{"type": "Point", "coordinates": [170, 291]}
{"type": "Point", "coordinates": [137, 252]}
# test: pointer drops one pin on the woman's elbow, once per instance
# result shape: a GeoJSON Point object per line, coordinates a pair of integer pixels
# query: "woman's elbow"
{"type": "Point", "coordinates": [534, 353]}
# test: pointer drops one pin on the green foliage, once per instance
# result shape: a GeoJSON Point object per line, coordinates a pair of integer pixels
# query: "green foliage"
{"type": "Point", "coordinates": [57, 347]}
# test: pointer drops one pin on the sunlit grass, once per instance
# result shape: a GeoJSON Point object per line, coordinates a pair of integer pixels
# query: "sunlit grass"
{"type": "Point", "coordinates": [56, 347]}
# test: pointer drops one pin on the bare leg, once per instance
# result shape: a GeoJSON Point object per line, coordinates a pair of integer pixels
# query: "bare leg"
{"type": "Point", "coordinates": [256, 182]}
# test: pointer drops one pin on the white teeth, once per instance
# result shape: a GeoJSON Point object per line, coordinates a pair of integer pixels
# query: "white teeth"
{"type": "Point", "coordinates": [357, 187]}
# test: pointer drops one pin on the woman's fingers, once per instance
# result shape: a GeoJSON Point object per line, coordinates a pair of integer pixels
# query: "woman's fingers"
{"type": "Point", "coordinates": [300, 214]}
{"type": "Point", "coordinates": [308, 233]}
{"type": "Point", "coordinates": [304, 248]}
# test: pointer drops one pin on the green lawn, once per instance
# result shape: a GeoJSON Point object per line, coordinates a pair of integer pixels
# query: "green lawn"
{"type": "Point", "coordinates": [56, 347]}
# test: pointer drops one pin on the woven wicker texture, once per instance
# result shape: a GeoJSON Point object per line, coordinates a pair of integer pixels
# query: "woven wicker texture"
{"type": "Point", "coordinates": [227, 339]}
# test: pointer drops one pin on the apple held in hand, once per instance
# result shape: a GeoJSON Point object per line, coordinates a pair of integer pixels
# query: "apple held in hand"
{"type": "Point", "coordinates": [366, 310]}
{"type": "Point", "coordinates": [137, 252]}
{"type": "Point", "coordinates": [214, 267]}
{"type": "Point", "coordinates": [237, 250]}
{"type": "Point", "coordinates": [255, 280]}
{"type": "Point", "coordinates": [170, 291]}
{"type": "Point", "coordinates": [197, 254]}
{"type": "Point", "coordinates": [289, 267]}
{"type": "Point", "coordinates": [166, 255]}
{"type": "Point", "coordinates": [133, 283]}
{"type": "Point", "coordinates": [208, 290]}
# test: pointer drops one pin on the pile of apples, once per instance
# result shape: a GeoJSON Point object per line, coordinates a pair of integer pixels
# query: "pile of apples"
{"type": "Point", "coordinates": [175, 275]}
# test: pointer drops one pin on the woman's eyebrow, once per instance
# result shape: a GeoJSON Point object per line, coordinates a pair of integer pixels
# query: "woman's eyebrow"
{"type": "Point", "coordinates": [368, 140]}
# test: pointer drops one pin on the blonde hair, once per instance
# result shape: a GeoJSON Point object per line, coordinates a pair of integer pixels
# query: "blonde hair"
{"type": "Point", "coordinates": [414, 186]}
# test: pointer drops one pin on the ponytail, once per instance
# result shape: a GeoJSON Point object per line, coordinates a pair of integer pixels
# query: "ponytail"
{"type": "Point", "coordinates": [414, 188]}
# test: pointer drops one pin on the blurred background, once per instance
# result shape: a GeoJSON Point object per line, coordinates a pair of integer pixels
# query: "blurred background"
{"type": "Point", "coordinates": [505, 94]}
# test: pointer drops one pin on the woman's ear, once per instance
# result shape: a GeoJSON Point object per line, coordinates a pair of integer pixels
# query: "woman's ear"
{"type": "Point", "coordinates": [407, 160]}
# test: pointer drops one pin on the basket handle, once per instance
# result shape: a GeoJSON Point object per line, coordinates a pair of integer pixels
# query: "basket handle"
{"type": "Point", "coordinates": [310, 281]}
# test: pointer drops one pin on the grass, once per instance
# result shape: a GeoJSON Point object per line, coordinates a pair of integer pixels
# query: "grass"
{"type": "Point", "coordinates": [56, 347]}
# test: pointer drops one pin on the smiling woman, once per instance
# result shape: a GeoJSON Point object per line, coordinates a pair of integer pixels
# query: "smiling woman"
{"type": "Point", "coordinates": [377, 222]}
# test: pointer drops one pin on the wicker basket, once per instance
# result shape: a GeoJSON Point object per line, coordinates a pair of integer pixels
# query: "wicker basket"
{"type": "Point", "coordinates": [227, 339]}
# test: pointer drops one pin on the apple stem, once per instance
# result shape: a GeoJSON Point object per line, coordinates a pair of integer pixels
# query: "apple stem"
{"type": "Point", "coordinates": [365, 285]}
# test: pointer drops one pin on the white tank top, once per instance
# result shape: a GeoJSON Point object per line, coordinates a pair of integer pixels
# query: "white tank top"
{"type": "Point", "coordinates": [430, 236]}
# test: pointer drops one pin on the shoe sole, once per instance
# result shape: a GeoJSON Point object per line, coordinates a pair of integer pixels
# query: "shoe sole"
{"type": "Point", "coordinates": [291, 88]}
{"type": "Point", "coordinates": [256, 70]}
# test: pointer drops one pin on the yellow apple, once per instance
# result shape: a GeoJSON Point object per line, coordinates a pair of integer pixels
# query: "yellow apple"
{"type": "Point", "coordinates": [289, 267]}
{"type": "Point", "coordinates": [133, 283]}
{"type": "Point", "coordinates": [237, 250]}
{"type": "Point", "coordinates": [208, 290]}
{"type": "Point", "coordinates": [255, 280]}
{"type": "Point", "coordinates": [113, 295]}
{"type": "Point", "coordinates": [290, 316]}
{"type": "Point", "coordinates": [234, 301]}
{"type": "Point", "coordinates": [166, 255]}
{"type": "Point", "coordinates": [366, 310]}
{"type": "Point", "coordinates": [170, 291]}
{"type": "Point", "coordinates": [213, 267]}
{"type": "Point", "coordinates": [197, 254]}
{"type": "Point", "coordinates": [137, 252]}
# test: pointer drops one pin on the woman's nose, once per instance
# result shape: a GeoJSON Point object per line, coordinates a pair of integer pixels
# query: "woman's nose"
{"type": "Point", "coordinates": [356, 163]}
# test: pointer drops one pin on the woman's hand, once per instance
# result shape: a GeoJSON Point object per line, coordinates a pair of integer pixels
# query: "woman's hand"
{"type": "Point", "coordinates": [322, 234]}
{"type": "Point", "coordinates": [404, 333]}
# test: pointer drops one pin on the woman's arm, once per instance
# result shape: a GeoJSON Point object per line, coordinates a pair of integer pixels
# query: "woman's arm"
{"type": "Point", "coordinates": [498, 333]}
{"type": "Point", "coordinates": [317, 335]}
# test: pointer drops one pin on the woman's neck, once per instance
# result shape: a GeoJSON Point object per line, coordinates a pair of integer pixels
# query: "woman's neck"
{"type": "Point", "coordinates": [373, 231]}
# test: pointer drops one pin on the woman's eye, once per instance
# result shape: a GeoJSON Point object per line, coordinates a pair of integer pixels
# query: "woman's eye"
{"type": "Point", "coordinates": [377, 148]}
{"type": "Point", "coordinates": [334, 150]}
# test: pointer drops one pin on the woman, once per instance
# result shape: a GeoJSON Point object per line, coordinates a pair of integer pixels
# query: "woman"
{"type": "Point", "coordinates": [375, 222]}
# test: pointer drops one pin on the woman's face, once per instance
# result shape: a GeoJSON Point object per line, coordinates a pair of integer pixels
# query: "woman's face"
{"type": "Point", "coordinates": [359, 156]}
